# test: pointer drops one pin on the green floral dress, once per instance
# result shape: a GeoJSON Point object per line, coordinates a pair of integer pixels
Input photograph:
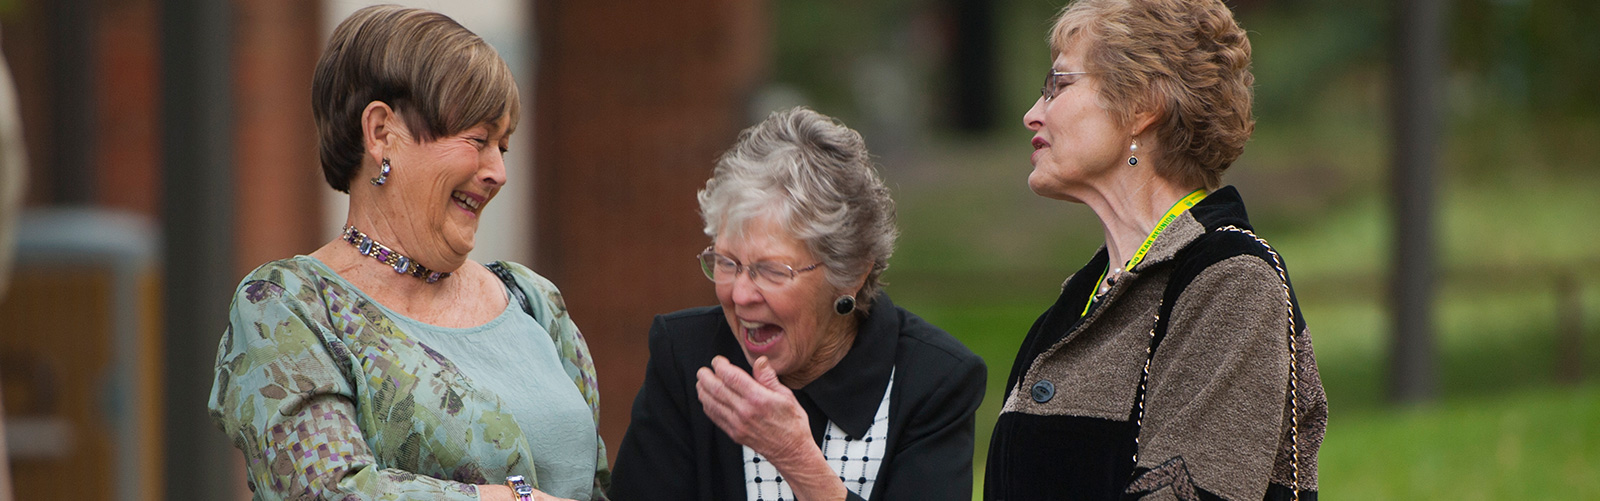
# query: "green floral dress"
{"type": "Point", "coordinates": [329, 399]}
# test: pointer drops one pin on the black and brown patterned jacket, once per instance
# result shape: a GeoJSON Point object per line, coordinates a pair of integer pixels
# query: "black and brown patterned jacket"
{"type": "Point", "coordinates": [1210, 301]}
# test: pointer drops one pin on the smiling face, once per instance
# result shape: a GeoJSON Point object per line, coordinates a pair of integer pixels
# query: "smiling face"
{"type": "Point", "coordinates": [438, 190]}
{"type": "Point", "coordinates": [790, 325]}
{"type": "Point", "coordinates": [1076, 141]}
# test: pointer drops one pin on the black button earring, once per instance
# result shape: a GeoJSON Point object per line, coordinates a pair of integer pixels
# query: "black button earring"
{"type": "Point", "coordinates": [845, 304]}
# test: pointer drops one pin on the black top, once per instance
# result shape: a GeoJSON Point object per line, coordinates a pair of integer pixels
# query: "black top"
{"type": "Point", "coordinates": [673, 451]}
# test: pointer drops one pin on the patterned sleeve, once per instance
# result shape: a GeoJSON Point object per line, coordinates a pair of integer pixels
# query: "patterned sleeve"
{"type": "Point", "coordinates": [550, 310]}
{"type": "Point", "coordinates": [282, 394]}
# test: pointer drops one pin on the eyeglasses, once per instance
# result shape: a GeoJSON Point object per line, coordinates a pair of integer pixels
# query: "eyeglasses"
{"type": "Point", "coordinates": [1053, 83]}
{"type": "Point", "coordinates": [765, 274]}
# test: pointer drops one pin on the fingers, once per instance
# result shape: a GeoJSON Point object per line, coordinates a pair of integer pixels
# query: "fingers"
{"type": "Point", "coordinates": [735, 379]}
{"type": "Point", "coordinates": [765, 375]}
{"type": "Point", "coordinates": [724, 412]}
{"type": "Point", "coordinates": [723, 387]}
{"type": "Point", "coordinates": [733, 400]}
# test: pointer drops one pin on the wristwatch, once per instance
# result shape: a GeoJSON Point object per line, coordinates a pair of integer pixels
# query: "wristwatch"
{"type": "Point", "coordinates": [519, 486]}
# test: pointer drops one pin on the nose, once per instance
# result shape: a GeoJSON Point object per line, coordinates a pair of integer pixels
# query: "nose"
{"type": "Point", "coordinates": [744, 290]}
{"type": "Point", "coordinates": [1034, 118]}
{"type": "Point", "coordinates": [492, 169]}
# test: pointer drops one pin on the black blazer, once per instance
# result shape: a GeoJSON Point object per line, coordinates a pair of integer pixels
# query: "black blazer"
{"type": "Point", "coordinates": [673, 451]}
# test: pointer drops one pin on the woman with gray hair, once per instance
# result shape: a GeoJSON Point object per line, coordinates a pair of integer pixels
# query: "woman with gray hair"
{"type": "Point", "coordinates": [806, 382]}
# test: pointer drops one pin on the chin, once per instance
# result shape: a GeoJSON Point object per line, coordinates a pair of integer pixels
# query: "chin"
{"type": "Point", "coordinates": [463, 241]}
{"type": "Point", "coordinates": [1042, 188]}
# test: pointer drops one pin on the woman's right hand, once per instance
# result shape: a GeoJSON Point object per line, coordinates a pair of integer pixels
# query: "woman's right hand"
{"type": "Point", "coordinates": [754, 409]}
{"type": "Point", "coordinates": [503, 493]}
{"type": "Point", "coordinates": [757, 411]}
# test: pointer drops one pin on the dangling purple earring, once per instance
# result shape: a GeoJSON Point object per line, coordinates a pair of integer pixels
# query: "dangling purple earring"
{"type": "Point", "coordinates": [383, 174]}
{"type": "Point", "coordinates": [1132, 150]}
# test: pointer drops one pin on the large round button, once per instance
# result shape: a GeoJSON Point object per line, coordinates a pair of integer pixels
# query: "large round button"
{"type": "Point", "coordinates": [1043, 391]}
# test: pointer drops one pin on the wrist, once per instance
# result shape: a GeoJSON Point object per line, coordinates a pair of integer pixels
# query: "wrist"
{"type": "Point", "coordinates": [495, 492]}
{"type": "Point", "coordinates": [799, 454]}
{"type": "Point", "coordinates": [809, 475]}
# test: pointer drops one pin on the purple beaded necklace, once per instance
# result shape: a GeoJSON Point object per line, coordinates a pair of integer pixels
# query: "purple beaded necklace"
{"type": "Point", "coordinates": [401, 264]}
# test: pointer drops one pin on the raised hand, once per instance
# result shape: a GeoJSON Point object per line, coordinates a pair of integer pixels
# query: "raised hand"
{"type": "Point", "coordinates": [757, 412]}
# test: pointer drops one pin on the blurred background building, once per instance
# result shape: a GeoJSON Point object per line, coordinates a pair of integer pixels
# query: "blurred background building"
{"type": "Point", "coordinates": [171, 150]}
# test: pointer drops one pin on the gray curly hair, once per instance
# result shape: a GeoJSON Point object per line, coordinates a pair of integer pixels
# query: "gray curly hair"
{"type": "Point", "coordinates": [814, 176]}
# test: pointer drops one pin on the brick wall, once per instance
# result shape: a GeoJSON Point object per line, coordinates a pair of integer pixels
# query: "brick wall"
{"type": "Point", "coordinates": [635, 101]}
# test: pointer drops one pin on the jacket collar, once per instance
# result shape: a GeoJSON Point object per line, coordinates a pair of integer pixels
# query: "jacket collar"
{"type": "Point", "coordinates": [850, 392]}
{"type": "Point", "coordinates": [1220, 208]}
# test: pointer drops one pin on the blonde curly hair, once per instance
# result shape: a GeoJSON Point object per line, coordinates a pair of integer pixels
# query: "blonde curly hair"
{"type": "Point", "coordinates": [1186, 59]}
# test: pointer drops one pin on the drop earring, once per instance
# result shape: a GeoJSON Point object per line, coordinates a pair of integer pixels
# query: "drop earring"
{"type": "Point", "coordinates": [1133, 151]}
{"type": "Point", "coordinates": [383, 174]}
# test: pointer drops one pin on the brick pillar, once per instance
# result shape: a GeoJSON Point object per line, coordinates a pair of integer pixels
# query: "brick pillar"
{"type": "Point", "coordinates": [635, 101]}
{"type": "Point", "coordinates": [278, 181]}
{"type": "Point", "coordinates": [129, 97]}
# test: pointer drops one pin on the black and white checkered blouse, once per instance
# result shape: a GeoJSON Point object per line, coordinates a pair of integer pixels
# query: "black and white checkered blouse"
{"type": "Point", "coordinates": [855, 459]}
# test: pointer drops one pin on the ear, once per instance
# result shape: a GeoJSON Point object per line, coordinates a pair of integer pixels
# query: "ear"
{"type": "Point", "coordinates": [1143, 118]}
{"type": "Point", "coordinates": [855, 285]}
{"type": "Point", "coordinates": [379, 126]}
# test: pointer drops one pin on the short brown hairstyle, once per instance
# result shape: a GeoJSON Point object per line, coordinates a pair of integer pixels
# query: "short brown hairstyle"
{"type": "Point", "coordinates": [439, 77]}
{"type": "Point", "coordinates": [1187, 59]}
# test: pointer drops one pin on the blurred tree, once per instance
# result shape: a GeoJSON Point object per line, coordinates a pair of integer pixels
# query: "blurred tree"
{"type": "Point", "coordinates": [1544, 54]}
{"type": "Point", "coordinates": [972, 65]}
{"type": "Point", "coordinates": [1418, 67]}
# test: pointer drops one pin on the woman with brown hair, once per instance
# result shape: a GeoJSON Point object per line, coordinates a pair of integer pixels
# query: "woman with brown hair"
{"type": "Point", "coordinates": [386, 364]}
{"type": "Point", "coordinates": [1175, 364]}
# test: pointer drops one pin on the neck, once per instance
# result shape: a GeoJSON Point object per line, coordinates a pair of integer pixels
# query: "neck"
{"type": "Point", "coordinates": [379, 280]}
{"type": "Point", "coordinates": [392, 226]}
{"type": "Point", "coordinates": [828, 355]}
{"type": "Point", "coordinates": [1129, 209]}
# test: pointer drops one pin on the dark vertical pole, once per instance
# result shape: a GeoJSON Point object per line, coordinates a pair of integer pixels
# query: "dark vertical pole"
{"type": "Point", "coordinates": [1417, 66]}
{"type": "Point", "coordinates": [1569, 329]}
{"type": "Point", "coordinates": [197, 217]}
{"type": "Point", "coordinates": [72, 99]}
{"type": "Point", "coordinates": [973, 65]}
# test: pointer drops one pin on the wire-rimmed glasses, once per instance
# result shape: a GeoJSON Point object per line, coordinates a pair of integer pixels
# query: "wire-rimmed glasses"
{"type": "Point", "coordinates": [1053, 83]}
{"type": "Point", "coordinates": [765, 274]}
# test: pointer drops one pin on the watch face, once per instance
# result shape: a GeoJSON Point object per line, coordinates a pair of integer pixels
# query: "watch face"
{"type": "Point", "coordinates": [519, 485]}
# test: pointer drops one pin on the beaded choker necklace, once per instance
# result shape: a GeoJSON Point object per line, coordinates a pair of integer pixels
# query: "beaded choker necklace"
{"type": "Point", "coordinates": [401, 264]}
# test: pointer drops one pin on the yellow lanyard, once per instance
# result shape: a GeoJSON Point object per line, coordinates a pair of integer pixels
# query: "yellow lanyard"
{"type": "Point", "coordinates": [1184, 204]}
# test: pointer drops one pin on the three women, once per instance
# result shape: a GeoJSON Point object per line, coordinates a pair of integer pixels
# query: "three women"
{"type": "Point", "coordinates": [1174, 364]}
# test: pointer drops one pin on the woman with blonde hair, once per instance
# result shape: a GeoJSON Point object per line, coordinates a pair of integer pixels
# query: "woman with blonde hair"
{"type": "Point", "coordinates": [1175, 364]}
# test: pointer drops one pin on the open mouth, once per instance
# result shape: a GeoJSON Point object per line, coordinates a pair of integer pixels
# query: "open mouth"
{"type": "Point", "coordinates": [1040, 143]}
{"type": "Point", "coordinates": [466, 201]}
{"type": "Point", "coordinates": [759, 335]}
